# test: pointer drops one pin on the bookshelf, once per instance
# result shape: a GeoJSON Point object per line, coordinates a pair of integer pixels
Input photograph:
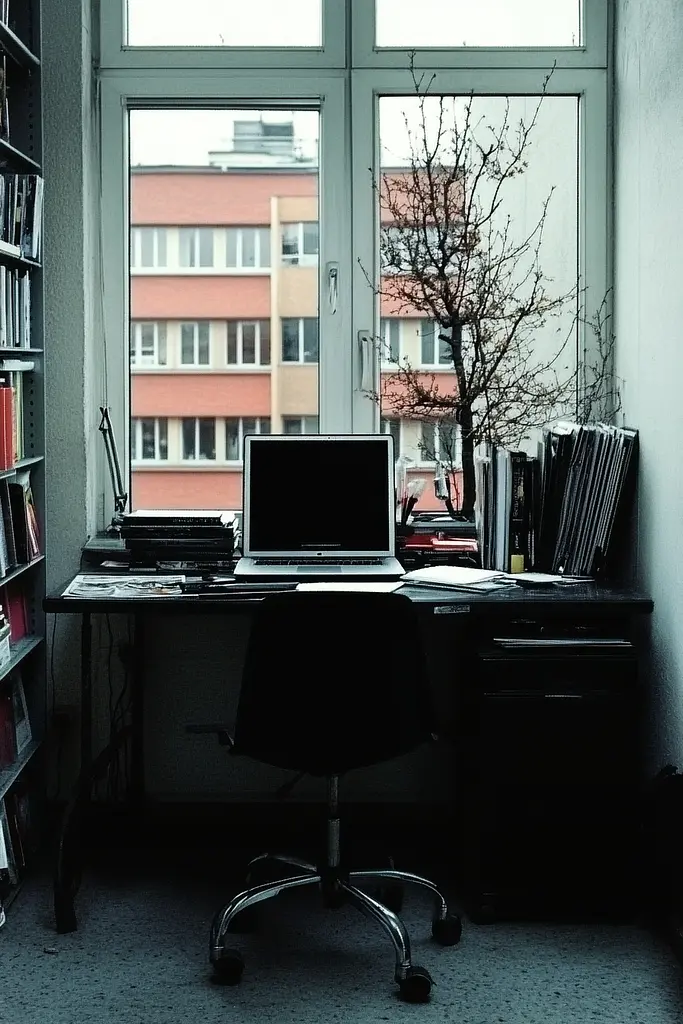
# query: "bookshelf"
{"type": "Point", "coordinates": [23, 701]}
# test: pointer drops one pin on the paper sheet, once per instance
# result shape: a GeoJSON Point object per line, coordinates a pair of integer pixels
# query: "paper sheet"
{"type": "Point", "coordinates": [360, 587]}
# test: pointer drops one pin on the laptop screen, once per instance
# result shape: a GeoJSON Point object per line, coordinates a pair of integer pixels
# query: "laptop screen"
{"type": "Point", "coordinates": [318, 494]}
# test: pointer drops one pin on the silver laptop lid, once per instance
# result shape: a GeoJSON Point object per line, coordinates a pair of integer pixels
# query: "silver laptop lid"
{"type": "Point", "coordinates": [318, 495]}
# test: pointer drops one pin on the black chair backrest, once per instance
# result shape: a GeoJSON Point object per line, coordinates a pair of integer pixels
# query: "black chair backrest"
{"type": "Point", "coordinates": [333, 680]}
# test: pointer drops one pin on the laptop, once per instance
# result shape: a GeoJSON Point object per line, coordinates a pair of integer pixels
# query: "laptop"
{"type": "Point", "coordinates": [319, 507]}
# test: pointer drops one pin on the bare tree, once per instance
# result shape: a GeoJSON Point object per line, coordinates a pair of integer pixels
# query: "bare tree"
{"type": "Point", "coordinates": [452, 252]}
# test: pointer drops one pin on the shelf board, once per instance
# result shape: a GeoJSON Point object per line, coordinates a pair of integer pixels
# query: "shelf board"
{"type": "Point", "coordinates": [21, 464]}
{"type": "Point", "coordinates": [9, 775]}
{"type": "Point", "coordinates": [10, 256]}
{"type": "Point", "coordinates": [18, 652]}
{"type": "Point", "coordinates": [14, 48]}
{"type": "Point", "coordinates": [14, 160]}
{"type": "Point", "coordinates": [14, 350]}
{"type": "Point", "coordinates": [4, 580]}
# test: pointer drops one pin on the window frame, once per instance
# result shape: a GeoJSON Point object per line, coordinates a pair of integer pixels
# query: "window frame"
{"type": "Point", "coordinates": [135, 343]}
{"type": "Point", "coordinates": [300, 360]}
{"type": "Point", "coordinates": [196, 326]}
{"type": "Point", "coordinates": [239, 363]}
{"type": "Point", "coordinates": [196, 247]}
{"type": "Point", "coordinates": [300, 258]}
{"type": "Point", "coordinates": [136, 248]}
{"type": "Point", "coordinates": [137, 440]}
{"type": "Point", "coordinates": [241, 434]}
{"type": "Point", "coordinates": [457, 464]}
{"type": "Point", "coordinates": [239, 267]}
{"type": "Point", "coordinates": [345, 79]}
{"type": "Point", "coordinates": [196, 459]}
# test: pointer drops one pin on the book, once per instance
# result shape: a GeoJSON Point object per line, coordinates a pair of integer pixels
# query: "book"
{"type": "Point", "coordinates": [20, 716]}
{"type": "Point", "coordinates": [14, 604]}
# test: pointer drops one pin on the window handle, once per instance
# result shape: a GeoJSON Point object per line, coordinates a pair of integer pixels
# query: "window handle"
{"type": "Point", "coordinates": [367, 357]}
{"type": "Point", "coordinates": [333, 286]}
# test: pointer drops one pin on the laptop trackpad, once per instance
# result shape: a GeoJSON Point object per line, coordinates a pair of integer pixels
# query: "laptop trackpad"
{"type": "Point", "coordinates": [319, 568]}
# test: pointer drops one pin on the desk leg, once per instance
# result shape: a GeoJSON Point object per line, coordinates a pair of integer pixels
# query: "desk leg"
{"type": "Point", "coordinates": [68, 867]}
{"type": "Point", "coordinates": [137, 759]}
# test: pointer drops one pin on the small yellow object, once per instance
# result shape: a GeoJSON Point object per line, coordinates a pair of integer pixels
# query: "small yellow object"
{"type": "Point", "coordinates": [516, 563]}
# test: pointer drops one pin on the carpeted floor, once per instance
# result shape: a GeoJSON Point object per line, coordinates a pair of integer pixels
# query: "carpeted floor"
{"type": "Point", "coordinates": [141, 955]}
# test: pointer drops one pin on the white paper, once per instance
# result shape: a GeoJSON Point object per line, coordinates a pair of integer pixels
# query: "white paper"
{"type": "Point", "coordinates": [96, 585]}
{"type": "Point", "coordinates": [453, 576]}
{"type": "Point", "coordinates": [361, 587]}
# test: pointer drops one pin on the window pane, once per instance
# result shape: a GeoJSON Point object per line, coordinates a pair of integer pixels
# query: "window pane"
{"type": "Point", "coordinates": [224, 23]}
{"type": "Point", "coordinates": [232, 342]}
{"type": "Point", "coordinates": [248, 425]}
{"type": "Point", "coordinates": [290, 341]}
{"type": "Point", "coordinates": [163, 438]}
{"type": "Point", "coordinates": [188, 432]}
{"type": "Point", "coordinates": [264, 326]}
{"type": "Point", "coordinates": [248, 248]}
{"type": "Point", "coordinates": [290, 242]}
{"type": "Point", "coordinates": [231, 237]}
{"type": "Point", "coordinates": [291, 425]}
{"type": "Point", "coordinates": [207, 439]}
{"type": "Point", "coordinates": [146, 247]}
{"type": "Point", "coordinates": [310, 424]}
{"type": "Point", "coordinates": [244, 173]}
{"type": "Point", "coordinates": [232, 440]}
{"type": "Point", "coordinates": [428, 442]}
{"type": "Point", "coordinates": [491, 23]}
{"type": "Point", "coordinates": [264, 247]}
{"type": "Point", "coordinates": [161, 354]}
{"type": "Point", "coordinates": [310, 340]}
{"type": "Point", "coordinates": [311, 239]}
{"type": "Point", "coordinates": [248, 343]}
{"type": "Point", "coordinates": [491, 253]}
{"type": "Point", "coordinates": [187, 346]}
{"type": "Point", "coordinates": [161, 247]}
{"type": "Point", "coordinates": [206, 247]}
{"type": "Point", "coordinates": [264, 425]}
{"type": "Point", "coordinates": [147, 432]}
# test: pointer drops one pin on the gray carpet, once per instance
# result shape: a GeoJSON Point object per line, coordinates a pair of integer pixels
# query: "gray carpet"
{"type": "Point", "coordinates": [141, 955]}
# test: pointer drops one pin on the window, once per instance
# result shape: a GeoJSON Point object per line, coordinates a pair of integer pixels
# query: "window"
{"type": "Point", "coordinates": [247, 248]}
{"type": "Point", "coordinates": [147, 344]}
{"type": "Point", "coordinates": [235, 430]}
{"type": "Point", "coordinates": [297, 179]}
{"type": "Point", "coordinates": [389, 331]}
{"type": "Point", "coordinates": [440, 442]}
{"type": "Point", "coordinates": [300, 340]}
{"type": "Point", "coordinates": [248, 343]}
{"type": "Point", "coordinates": [434, 349]}
{"type": "Point", "coordinates": [299, 424]}
{"type": "Point", "coordinates": [149, 438]}
{"type": "Point", "coordinates": [148, 248]}
{"type": "Point", "coordinates": [393, 427]}
{"type": "Point", "coordinates": [267, 23]}
{"type": "Point", "coordinates": [199, 438]}
{"type": "Point", "coordinates": [195, 344]}
{"type": "Point", "coordinates": [195, 247]}
{"type": "Point", "coordinates": [300, 244]}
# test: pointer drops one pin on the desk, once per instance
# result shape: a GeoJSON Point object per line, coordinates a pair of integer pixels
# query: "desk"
{"type": "Point", "coordinates": [498, 692]}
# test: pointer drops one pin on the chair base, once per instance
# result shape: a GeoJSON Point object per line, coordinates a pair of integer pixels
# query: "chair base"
{"type": "Point", "coordinates": [339, 887]}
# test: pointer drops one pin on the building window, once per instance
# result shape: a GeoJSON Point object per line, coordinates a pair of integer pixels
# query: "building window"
{"type": "Point", "coordinates": [393, 427]}
{"type": "Point", "coordinates": [248, 343]}
{"type": "Point", "coordinates": [195, 247]}
{"type": "Point", "coordinates": [299, 424]}
{"type": "Point", "coordinates": [300, 243]}
{"type": "Point", "coordinates": [148, 248]}
{"type": "Point", "coordinates": [440, 442]}
{"type": "Point", "coordinates": [434, 350]}
{"type": "Point", "coordinates": [300, 340]}
{"type": "Point", "coordinates": [389, 330]}
{"type": "Point", "coordinates": [247, 248]}
{"type": "Point", "coordinates": [195, 344]}
{"type": "Point", "coordinates": [147, 343]}
{"type": "Point", "coordinates": [199, 438]}
{"type": "Point", "coordinates": [236, 428]}
{"type": "Point", "coordinates": [149, 439]}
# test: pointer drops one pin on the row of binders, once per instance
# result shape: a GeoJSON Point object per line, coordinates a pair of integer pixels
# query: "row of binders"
{"type": "Point", "coordinates": [555, 512]}
{"type": "Point", "coordinates": [15, 308]}
{"type": "Point", "coordinates": [21, 214]}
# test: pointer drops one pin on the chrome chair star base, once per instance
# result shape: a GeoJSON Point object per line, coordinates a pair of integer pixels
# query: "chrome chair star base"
{"type": "Point", "coordinates": [338, 887]}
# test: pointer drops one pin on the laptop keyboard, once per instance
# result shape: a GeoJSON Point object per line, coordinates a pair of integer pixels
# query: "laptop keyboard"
{"type": "Point", "coordinates": [318, 561]}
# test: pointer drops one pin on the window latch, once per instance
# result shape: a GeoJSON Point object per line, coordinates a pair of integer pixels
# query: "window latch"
{"type": "Point", "coordinates": [333, 286]}
{"type": "Point", "coordinates": [367, 357]}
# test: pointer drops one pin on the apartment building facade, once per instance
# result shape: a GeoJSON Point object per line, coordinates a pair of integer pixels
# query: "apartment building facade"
{"type": "Point", "coordinates": [224, 336]}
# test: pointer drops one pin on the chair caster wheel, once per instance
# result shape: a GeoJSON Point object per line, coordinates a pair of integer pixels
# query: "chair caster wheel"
{"type": "Point", "coordinates": [416, 986]}
{"type": "Point", "coordinates": [447, 930]}
{"type": "Point", "coordinates": [227, 970]}
{"type": "Point", "coordinates": [391, 895]}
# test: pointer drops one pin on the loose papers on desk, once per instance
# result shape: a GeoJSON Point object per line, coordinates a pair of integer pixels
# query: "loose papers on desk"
{"type": "Point", "coordinates": [458, 577]}
{"type": "Point", "coordinates": [96, 585]}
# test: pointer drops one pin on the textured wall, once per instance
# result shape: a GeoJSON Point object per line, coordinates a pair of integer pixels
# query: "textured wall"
{"type": "Point", "coordinates": [649, 326]}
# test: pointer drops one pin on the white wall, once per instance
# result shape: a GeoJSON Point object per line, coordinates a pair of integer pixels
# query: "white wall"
{"type": "Point", "coordinates": [649, 327]}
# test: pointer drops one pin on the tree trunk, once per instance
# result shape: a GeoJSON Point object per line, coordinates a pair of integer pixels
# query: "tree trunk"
{"type": "Point", "coordinates": [468, 480]}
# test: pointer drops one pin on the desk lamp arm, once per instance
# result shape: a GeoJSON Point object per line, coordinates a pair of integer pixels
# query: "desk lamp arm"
{"type": "Point", "coordinates": [115, 475]}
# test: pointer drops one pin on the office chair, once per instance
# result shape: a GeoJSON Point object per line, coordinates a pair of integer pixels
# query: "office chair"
{"type": "Point", "coordinates": [333, 681]}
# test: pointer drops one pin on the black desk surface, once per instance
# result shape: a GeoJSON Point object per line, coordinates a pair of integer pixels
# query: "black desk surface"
{"type": "Point", "coordinates": [576, 598]}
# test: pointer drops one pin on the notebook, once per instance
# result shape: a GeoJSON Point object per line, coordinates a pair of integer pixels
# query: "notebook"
{"type": "Point", "coordinates": [318, 506]}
